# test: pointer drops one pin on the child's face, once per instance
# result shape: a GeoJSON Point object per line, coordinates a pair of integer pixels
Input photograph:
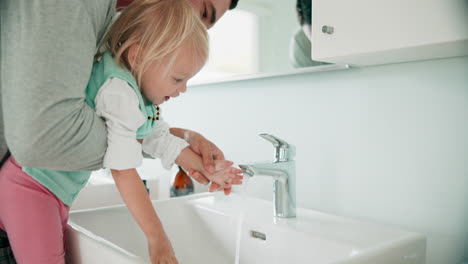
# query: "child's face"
{"type": "Point", "coordinates": [160, 83]}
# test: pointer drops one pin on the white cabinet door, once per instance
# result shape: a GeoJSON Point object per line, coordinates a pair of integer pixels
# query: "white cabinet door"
{"type": "Point", "coordinates": [367, 32]}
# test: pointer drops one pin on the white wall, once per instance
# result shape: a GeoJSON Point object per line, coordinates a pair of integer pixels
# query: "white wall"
{"type": "Point", "coordinates": [386, 144]}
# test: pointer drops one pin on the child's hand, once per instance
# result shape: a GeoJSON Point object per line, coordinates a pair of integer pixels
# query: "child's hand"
{"type": "Point", "coordinates": [224, 177]}
{"type": "Point", "coordinates": [160, 251]}
{"type": "Point", "coordinates": [224, 174]}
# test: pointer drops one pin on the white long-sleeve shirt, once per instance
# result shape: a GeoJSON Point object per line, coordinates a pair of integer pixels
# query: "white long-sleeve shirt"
{"type": "Point", "coordinates": [117, 103]}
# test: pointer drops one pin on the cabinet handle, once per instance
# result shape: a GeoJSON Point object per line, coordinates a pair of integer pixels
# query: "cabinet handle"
{"type": "Point", "coordinates": [328, 30]}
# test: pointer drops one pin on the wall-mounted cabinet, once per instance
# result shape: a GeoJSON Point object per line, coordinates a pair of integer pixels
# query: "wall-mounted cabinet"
{"type": "Point", "coordinates": [369, 32]}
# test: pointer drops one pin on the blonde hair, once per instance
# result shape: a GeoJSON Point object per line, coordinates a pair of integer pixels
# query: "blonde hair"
{"type": "Point", "coordinates": [160, 28]}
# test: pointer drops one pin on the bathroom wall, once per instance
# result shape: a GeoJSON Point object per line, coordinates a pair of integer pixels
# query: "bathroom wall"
{"type": "Point", "coordinates": [386, 143]}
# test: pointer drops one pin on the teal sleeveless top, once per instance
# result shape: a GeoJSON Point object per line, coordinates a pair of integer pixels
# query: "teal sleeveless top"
{"type": "Point", "coordinates": [67, 184]}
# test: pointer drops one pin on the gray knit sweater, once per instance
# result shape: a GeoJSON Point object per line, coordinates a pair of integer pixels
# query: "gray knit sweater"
{"type": "Point", "coordinates": [47, 49]}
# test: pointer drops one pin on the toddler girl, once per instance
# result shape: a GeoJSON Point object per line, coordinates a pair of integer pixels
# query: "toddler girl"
{"type": "Point", "coordinates": [154, 47]}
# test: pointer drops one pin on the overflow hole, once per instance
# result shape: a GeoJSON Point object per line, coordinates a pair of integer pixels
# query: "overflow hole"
{"type": "Point", "coordinates": [257, 235]}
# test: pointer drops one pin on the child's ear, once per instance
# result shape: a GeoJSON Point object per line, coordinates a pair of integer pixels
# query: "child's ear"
{"type": "Point", "coordinates": [132, 55]}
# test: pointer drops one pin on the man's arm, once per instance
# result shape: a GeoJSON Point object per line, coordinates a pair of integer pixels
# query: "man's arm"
{"type": "Point", "coordinates": [200, 145]}
{"type": "Point", "coordinates": [47, 52]}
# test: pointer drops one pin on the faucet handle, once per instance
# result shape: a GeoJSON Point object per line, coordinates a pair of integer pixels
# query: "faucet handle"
{"type": "Point", "coordinates": [283, 150]}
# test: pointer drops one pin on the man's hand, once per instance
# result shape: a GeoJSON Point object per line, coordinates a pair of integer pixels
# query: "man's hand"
{"type": "Point", "coordinates": [205, 148]}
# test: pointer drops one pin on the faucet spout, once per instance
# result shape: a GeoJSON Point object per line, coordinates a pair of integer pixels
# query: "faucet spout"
{"type": "Point", "coordinates": [283, 171]}
{"type": "Point", "coordinates": [284, 202]}
{"type": "Point", "coordinates": [252, 170]}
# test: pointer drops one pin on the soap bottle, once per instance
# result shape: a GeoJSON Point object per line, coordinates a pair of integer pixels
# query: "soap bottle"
{"type": "Point", "coordinates": [182, 185]}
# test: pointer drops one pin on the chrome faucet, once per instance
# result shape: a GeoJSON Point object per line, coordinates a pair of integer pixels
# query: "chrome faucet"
{"type": "Point", "coordinates": [282, 169]}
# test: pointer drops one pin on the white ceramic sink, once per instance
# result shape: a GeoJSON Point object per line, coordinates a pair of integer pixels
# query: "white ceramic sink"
{"type": "Point", "coordinates": [203, 229]}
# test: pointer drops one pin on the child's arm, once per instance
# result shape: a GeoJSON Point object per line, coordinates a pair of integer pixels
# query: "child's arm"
{"type": "Point", "coordinates": [136, 198]}
{"type": "Point", "coordinates": [173, 149]}
{"type": "Point", "coordinates": [118, 104]}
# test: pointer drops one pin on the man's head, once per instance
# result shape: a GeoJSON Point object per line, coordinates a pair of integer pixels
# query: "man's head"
{"type": "Point", "coordinates": [304, 15]}
{"type": "Point", "coordinates": [304, 12]}
{"type": "Point", "coordinates": [211, 10]}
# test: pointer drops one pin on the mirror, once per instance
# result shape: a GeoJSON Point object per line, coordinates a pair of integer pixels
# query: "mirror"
{"type": "Point", "coordinates": [257, 38]}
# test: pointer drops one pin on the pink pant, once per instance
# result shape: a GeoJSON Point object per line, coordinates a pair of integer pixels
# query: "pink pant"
{"type": "Point", "coordinates": [33, 217]}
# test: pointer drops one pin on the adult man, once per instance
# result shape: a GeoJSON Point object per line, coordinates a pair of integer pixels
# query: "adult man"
{"type": "Point", "coordinates": [47, 50]}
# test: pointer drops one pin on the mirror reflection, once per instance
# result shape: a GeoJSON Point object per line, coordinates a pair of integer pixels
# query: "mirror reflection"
{"type": "Point", "coordinates": [260, 36]}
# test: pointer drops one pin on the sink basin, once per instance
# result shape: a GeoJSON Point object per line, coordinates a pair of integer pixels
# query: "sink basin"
{"type": "Point", "coordinates": [203, 228]}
